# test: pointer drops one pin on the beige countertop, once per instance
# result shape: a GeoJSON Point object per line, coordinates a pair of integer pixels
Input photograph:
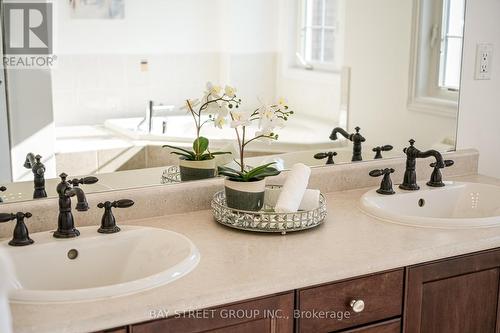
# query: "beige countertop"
{"type": "Point", "coordinates": [236, 265]}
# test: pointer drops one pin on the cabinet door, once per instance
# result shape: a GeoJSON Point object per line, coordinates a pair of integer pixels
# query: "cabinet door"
{"type": "Point", "coordinates": [328, 308]}
{"type": "Point", "coordinates": [272, 314]}
{"type": "Point", "coordinates": [458, 295]}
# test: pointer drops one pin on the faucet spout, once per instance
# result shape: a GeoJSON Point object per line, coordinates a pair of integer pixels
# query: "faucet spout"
{"type": "Point", "coordinates": [341, 131]}
{"type": "Point", "coordinates": [2, 189]}
{"type": "Point", "coordinates": [82, 205]}
{"type": "Point", "coordinates": [30, 161]}
{"type": "Point", "coordinates": [433, 153]}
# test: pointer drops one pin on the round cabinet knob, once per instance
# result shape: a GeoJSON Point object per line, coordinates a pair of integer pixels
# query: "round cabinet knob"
{"type": "Point", "coordinates": [357, 305]}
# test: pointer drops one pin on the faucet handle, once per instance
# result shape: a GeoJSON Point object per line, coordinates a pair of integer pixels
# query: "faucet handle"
{"type": "Point", "coordinates": [108, 221]}
{"type": "Point", "coordinates": [436, 176]}
{"type": "Point", "coordinates": [380, 149]}
{"type": "Point", "coordinates": [7, 217]}
{"type": "Point", "coordinates": [21, 235]}
{"type": "Point", "coordinates": [123, 203]}
{"type": "Point", "coordinates": [447, 163]}
{"type": "Point", "coordinates": [84, 181]}
{"type": "Point", "coordinates": [329, 155]}
{"type": "Point", "coordinates": [386, 185]}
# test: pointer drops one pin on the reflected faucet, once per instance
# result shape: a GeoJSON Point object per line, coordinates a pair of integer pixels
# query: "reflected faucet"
{"type": "Point", "coordinates": [33, 162]}
{"type": "Point", "coordinates": [356, 139]}
{"type": "Point", "coordinates": [66, 190]}
{"type": "Point", "coordinates": [2, 189]}
{"type": "Point", "coordinates": [412, 153]}
{"type": "Point", "coordinates": [150, 111]}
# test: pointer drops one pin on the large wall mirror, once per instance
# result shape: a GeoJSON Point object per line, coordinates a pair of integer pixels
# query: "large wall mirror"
{"type": "Point", "coordinates": [123, 70]}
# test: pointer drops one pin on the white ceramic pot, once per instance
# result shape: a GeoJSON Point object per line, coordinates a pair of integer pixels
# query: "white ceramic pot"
{"type": "Point", "coordinates": [196, 170]}
{"type": "Point", "coordinates": [247, 196]}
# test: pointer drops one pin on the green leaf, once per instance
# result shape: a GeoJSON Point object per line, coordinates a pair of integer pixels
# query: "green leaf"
{"type": "Point", "coordinates": [181, 149]}
{"type": "Point", "coordinates": [205, 157]}
{"type": "Point", "coordinates": [200, 145]}
{"type": "Point", "coordinates": [269, 172]}
{"type": "Point", "coordinates": [256, 171]}
{"type": "Point", "coordinates": [187, 156]}
{"type": "Point", "coordinates": [231, 173]}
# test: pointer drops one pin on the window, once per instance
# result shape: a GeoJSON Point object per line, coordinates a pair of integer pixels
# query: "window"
{"type": "Point", "coordinates": [318, 34]}
{"type": "Point", "coordinates": [437, 56]}
{"type": "Point", "coordinates": [451, 44]}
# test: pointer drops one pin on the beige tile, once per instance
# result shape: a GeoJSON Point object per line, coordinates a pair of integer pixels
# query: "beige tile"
{"type": "Point", "coordinates": [79, 163]}
{"type": "Point", "coordinates": [160, 157]}
{"type": "Point", "coordinates": [128, 158]}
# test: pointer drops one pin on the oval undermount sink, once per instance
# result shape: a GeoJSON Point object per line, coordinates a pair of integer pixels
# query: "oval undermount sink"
{"type": "Point", "coordinates": [457, 205]}
{"type": "Point", "coordinates": [95, 266]}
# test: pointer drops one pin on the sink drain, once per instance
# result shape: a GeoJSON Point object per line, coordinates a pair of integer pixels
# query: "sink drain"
{"type": "Point", "coordinates": [421, 203]}
{"type": "Point", "coordinates": [72, 254]}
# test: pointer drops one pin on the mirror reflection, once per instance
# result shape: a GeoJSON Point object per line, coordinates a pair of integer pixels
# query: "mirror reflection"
{"type": "Point", "coordinates": [362, 77]}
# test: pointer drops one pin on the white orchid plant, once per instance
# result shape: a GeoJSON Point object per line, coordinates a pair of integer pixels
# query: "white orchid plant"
{"type": "Point", "coordinates": [268, 118]}
{"type": "Point", "coordinates": [215, 103]}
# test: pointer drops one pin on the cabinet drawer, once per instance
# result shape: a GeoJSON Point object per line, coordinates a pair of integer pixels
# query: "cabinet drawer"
{"type": "Point", "coordinates": [327, 308]}
{"type": "Point", "coordinates": [271, 314]}
{"type": "Point", "coordinates": [391, 326]}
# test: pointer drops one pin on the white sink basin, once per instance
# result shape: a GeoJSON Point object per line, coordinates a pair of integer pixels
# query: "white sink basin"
{"type": "Point", "coordinates": [133, 260]}
{"type": "Point", "coordinates": [457, 205]}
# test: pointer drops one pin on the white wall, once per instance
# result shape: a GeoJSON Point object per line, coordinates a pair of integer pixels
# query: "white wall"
{"type": "Point", "coordinates": [186, 44]}
{"type": "Point", "coordinates": [31, 120]}
{"type": "Point", "coordinates": [377, 48]}
{"type": "Point", "coordinates": [311, 94]}
{"type": "Point", "coordinates": [479, 118]}
{"type": "Point", "coordinates": [244, 43]}
{"type": "Point", "coordinates": [5, 168]}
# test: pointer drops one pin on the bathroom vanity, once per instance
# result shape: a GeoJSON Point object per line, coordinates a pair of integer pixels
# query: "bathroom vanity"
{"type": "Point", "coordinates": [398, 278]}
{"type": "Point", "coordinates": [419, 298]}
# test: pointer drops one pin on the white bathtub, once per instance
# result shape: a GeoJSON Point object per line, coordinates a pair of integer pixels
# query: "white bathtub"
{"type": "Point", "coordinates": [299, 134]}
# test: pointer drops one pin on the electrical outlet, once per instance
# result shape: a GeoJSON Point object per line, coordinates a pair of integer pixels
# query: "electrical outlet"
{"type": "Point", "coordinates": [484, 59]}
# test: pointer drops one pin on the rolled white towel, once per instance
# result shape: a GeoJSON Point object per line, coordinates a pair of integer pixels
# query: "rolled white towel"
{"type": "Point", "coordinates": [7, 276]}
{"type": "Point", "coordinates": [293, 189]}
{"type": "Point", "coordinates": [310, 200]}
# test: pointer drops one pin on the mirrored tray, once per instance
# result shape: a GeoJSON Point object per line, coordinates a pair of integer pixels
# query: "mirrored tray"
{"type": "Point", "coordinates": [171, 175]}
{"type": "Point", "coordinates": [267, 220]}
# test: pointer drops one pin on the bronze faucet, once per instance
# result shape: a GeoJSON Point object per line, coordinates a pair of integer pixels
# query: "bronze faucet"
{"type": "Point", "coordinates": [412, 153]}
{"type": "Point", "coordinates": [33, 162]}
{"type": "Point", "coordinates": [356, 139]}
{"type": "Point", "coordinates": [66, 190]}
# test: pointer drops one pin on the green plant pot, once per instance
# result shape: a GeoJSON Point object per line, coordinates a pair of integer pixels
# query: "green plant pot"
{"type": "Point", "coordinates": [247, 196]}
{"type": "Point", "coordinates": [196, 170]}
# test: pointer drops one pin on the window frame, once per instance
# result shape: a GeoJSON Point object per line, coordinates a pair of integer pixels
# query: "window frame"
{"type": "Point", "coordinates": [425, 93]}
{"type": "Point", "coordinates": [445, 38]}
{"type": "Point", "coordinates": [300, 48]}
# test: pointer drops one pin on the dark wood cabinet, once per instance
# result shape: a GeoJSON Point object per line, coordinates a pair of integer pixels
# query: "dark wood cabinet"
{"type": "Point", "coordinates": [328, 308]}
{"type": "Point", "coordinates": [458, 295]}
{"type": "Point", "coordinates": [391, 326]}
{"type": "Point", "coordinates": [116, 330]}
{"type": "Point", "coordinates": [271, 314]}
